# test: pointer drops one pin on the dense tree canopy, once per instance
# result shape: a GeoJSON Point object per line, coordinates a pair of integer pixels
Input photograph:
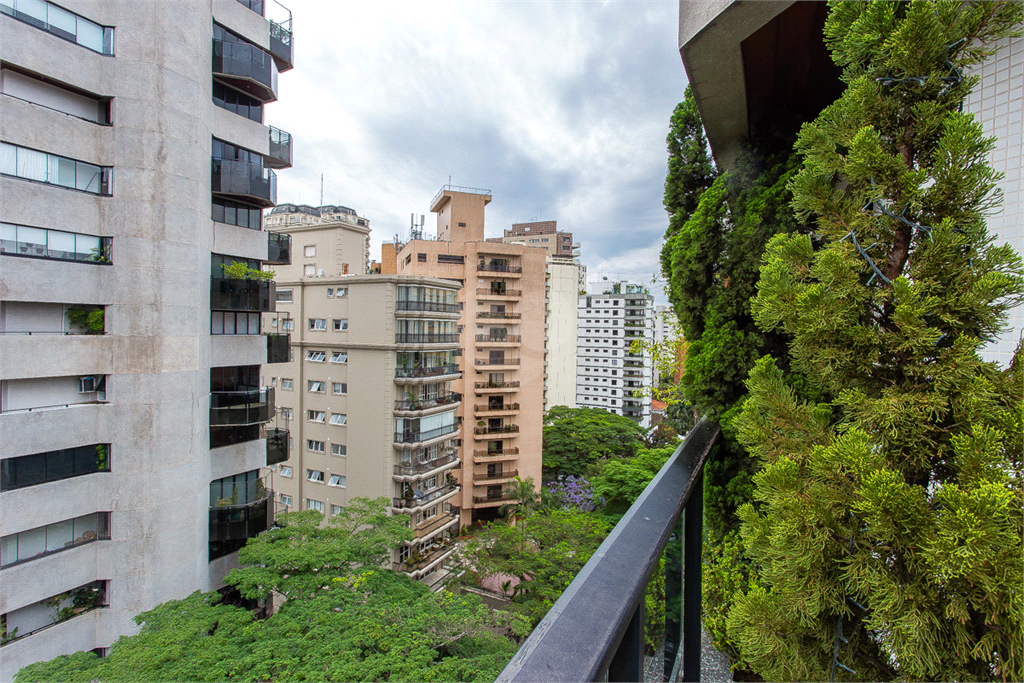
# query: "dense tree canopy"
{"type": "Point", "coordinates": [342, 621]}
{"type": "Point", "coordinates": [889, 510]}
{"type": "Point", "coordinates": [577, 437]}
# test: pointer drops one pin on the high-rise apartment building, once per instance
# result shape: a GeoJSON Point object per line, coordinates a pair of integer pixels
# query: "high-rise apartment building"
{"type": "Point", "coordinates": [609, 374]}
{"type": "Point", "coordinates": [134, 166]}
{"type": "Point", "coordinates": [367, 395]}
{"type": "Point", "coordinates": [543, 234]}
{"type": "Point", "coordinates": [502, 345]}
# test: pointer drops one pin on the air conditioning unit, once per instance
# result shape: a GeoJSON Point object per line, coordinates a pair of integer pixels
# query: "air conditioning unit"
{"type": "Point", "coordinates": [86, 385]}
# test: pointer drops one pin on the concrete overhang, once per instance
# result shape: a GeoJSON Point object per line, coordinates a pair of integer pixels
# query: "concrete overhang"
{"type": "Point", "coordinates": [758, 69]}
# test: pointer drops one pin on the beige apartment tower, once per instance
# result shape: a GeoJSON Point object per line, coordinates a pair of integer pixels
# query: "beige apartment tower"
{"type": "Point", "coordinates": [502, 345]}
{"type": "Point", "coordinates": [367, 396]}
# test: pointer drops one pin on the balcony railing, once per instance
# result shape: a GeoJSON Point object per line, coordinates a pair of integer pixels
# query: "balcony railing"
{"type": "Point", "coordinates": [440, 521]}
{"type": "Point", "coordinates": [608, 593]}
{"type": "Point", "coordinates": [431, 306]}
{"type": "Point", "coordinates": [497, 361]}
{"type": "Point", "coordinates": [498, 268]}
{"type": "Point", "coordinates": [505, 497]}
{"type": "Point", "coordinates": [431, 402]}
{"type": "Point", "coordinates": [496, 385]}
{"type": "Point", "coordinates": [488, 408]}
{"type": "Point", "coordinates": [278, 347]}
{"type": "Point", "coordinates": [238, 522]}
{"type": "Point", "coordinates": [504, 429]}
{"type": "Point", "coordinates": [229, 408]}
{"type": "Point", "coordinates": [410, 436]}
{"type": "Point", "coordinates": [277, 446]}
{"type": "Point", "coordinates": [227, 294]}
{"type": "Point", "coordinates": [499, 316]}
{"type": "Point", "coordinates": [248, 181]}
{"type": "Point", "coordinates": [281, 44]}
{"type": "Point", "coordinates": [425, 338]}
{"type": "Point", "coordinates": [245, 67]}
{"type": "Point", "coordinates": [514, 338]}
{"type": "Point", "coordinates": [504, 453]}
{"type": "Point", "coordinates": [484, 291]}
{"type": "Point", "coordinates": [424, 467]}
{"type": "Point", "coordinates": [280, 148]}
{"type": "Point", "coordinates": [433, 556]}
{"type": "Point", "coordinates": [279, 249]}
{"type": "Point", "coordinates": [504, 474]}
{"type": "Point", "coordinates": [434, 371]}
{"type": "Point", "coordinates": [424, 499]}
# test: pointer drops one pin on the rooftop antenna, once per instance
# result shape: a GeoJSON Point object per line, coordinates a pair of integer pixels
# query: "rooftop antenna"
{"type": "Point", "coordinates": [320, 209]}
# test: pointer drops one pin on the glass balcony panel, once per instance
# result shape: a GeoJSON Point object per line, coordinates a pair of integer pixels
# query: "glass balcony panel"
{"type": "Point", "coordinates": [278, 347]}
{"type": "Point", "coordinates": [247, 68]}
{"type": "Point", "coordinates": [279, 248]}
{"type": "Point", "coordinates": [242, 295]}
{"type": "Point", "coordinates": [281, 44]}
{"type": "Point", "coordinates": [277, 446]}
{"type": "Point", "coordinates": [245, 180]}
{"type": "Point", "coordinates": [280, 149]}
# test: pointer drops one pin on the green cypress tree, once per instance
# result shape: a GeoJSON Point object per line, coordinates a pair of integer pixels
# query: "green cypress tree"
{"type": "Point", "coordinates": [890, 513]}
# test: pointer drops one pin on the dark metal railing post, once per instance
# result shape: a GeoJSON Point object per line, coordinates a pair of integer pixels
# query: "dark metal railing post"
{"type": "Point", "coordinates": [692, 545]}
{"type": "Point", "coordinates": [628, 662]}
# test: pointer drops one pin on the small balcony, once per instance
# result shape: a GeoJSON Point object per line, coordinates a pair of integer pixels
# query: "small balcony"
{"type": "Point", "coordinates": [279, 249]}
{"type": "Point", "coordinates": [240, 522]}
{"type": "Point", "coordinates": [242, 295]}
{"type": "Point", "coordinates": [246, 181]}
{"type": "Point", "coordinates": [280, 149]}
{"type": "Point", "coordinates": [502, 499]}
{"type": "Point", "coordinates": [411, 436]}
{"type": "Point", "coordinates": [435, 524]}
{"type": "Point", "coordinates": [427, 306]}
{"type": "Point", "coordinates": [486, 292]}
{"type": "Point", "coordinates": [507, 339]}
{"type": "Point", "coordinates": [417, 404]}
{"type": "Point", "coordinates": [239, 408]}
{"type": "Point", "coordinates": [281, 48]}
{"type": "Point", "coordinates": [504, 429]}
{"type": "Point", "coordinates": [503, 408]}
{"type": "Point", "coordinates": [247, 68]}
{"type": "Point", "coordinates": [433, 371]}
{"type": "Point", "coordinates": [420, 567]}
{"type": "Point", "coordinates": [422, 469]}
{"type": "Point", "coordinates": [495, 387]}
{"type": "Point", "coordinates": [487, 477]}
{"type": "Point", "coordinates": [509, 453]}
{"type": "Point", "coordinates": [278, 347]}
{"type": "Point", "coordinates": [429, 498]}
{"type": "Point", "coordinates": [277, 446]}
{"type": "Point", "coordinates": [425, 338]}
{"type": "Point", "coordinates": [495, 362]}
{"type": "Point", "coordinates": [499, 316]}
{"type": "Point", "coordinates": [499, 268]}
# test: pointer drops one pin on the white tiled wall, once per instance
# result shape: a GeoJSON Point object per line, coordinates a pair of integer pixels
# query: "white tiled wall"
{"type": "Point", "coordinates": [998, 102]}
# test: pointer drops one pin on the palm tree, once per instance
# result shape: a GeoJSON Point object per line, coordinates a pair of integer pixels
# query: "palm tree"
{"type": "Point", "coordinates": [527, 500]}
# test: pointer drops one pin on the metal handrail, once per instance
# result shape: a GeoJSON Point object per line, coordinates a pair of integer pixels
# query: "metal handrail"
{"type": "Point", "coordinates": [502, 361]}
{"type": "Point", "coordinates": [496, 385]}
{"type": "Point", "coordinates": [458, 188]}
{"type": "Point", "coordinates": [608, 593]}
{"type": "Point", "coordinates": [508, 338]}
{"type": "Point", "coordinates": [483, 291]}
{"type": "Point", "coordinates": [488, 408]}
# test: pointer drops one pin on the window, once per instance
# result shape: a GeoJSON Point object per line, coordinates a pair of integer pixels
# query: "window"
{"type": "Point", "coordinates": [22, 240]}
{"type": "Point", "coordinates": [284, 296]}
{"type": "Point", "coordinates": [309, 270]}
{"type": "Point", "coordinates": [317, 386]}
{"type": "Point", "coordinates": [288, 324]}
{"type": "Point", "coordinates": [340, 325]}
{"type": "Point", "coordinates": [330, 292]}
{"type": "Point", "coordinates": [314, 505]}
{"type": "Point", "coordinates": [29, 470]}
{"type": "Point", "coordinates": [314, 446]}
{"type": "Point", "coordinates": [336, 509]}
{"type": "Point", "coordinates": [287, 384]}
{"type": "Point", "coordinates": [408, 259]}
{"type": "Point", "coordinates": [57, 96]}
{"type": "Point", "coordinates": [316, 356]}
{"type": "Point", "coordinates": [339, 449]}
{"type": "Point", "coordinates": [233, 213]}
{"type": "Point", "coordinates": [61, 23]}
{"type": "Point", "coordinates": [286, 471]}
{"type": "Point", "coordinates": [422, 258]}
{"type": "Point", "coordinates": [314, 475]}
{"type": "Point", "coordinates": [309, 251]}
{"type": "Point", "coordinates": [450, 258]}
{"type": "Point", "coordinates": [315, 415]}
{"type": "Point", "coordinates": [340, 388]}
{"type": "Point", "coordinates": [286, 500]}
{"type": "Point", "coordinates": [31, 164]}
{"type": "Point", "coordinates": [237, 102]}
{"type": "Point", "coordinates": [339, 356]}
{"type": "Point", "coordinates": [286, 413]}
{"type": "Point", "coordinates": [43, 540]}
{"type": "Point", "coordinates": [336, 480]}
{"type": "Point", "coordinates": [319, 324]}
{"type": "Point", "coordinates": [338, 419]}
{"type": "Point", "coordinates": [227, 322]}
{"type": "Point", "coordinates": [341, 292]}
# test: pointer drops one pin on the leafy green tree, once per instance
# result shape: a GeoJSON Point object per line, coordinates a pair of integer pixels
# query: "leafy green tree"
{"type": "Point", "coordinates": [718, 227]}
{"type": "Point", "coordinates": [621, 481]}
{"type": "Point", "coordinates": [557, 545]}
{"type": "Point", "coordinates": [577, 437]}
{"type": "Point", "coordinates": [890, 512]}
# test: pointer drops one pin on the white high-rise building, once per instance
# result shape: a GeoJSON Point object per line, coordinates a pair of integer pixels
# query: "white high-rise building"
{"type": "Point", "coordinates": [561, 296]}
{"type": "Point", "coordinates": [608, 375]}
{"type": "Point", "coordinates": [134, 165]}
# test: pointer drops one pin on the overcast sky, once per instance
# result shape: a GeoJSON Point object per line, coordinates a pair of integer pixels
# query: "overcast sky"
{"type": "Point", "coordinates": [559, 108]}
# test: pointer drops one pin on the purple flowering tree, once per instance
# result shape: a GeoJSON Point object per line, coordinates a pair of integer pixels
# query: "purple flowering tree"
{"type": "Point", "coordinates": [574, 493]}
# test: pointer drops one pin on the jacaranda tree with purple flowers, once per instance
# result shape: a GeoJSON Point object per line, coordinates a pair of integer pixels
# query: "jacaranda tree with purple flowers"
{"type": "Point", "coordinates": [574, 493]}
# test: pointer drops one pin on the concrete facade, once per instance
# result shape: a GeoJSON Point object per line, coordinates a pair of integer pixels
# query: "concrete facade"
{"type": "Point", "coordinates": [155, 351]}
{"type": "Point", "coordinates": [502, 328]}
{"type": "Point", "coordinates": [562, 290]}
{"type": "Point", "coordinates": [609, 375]}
